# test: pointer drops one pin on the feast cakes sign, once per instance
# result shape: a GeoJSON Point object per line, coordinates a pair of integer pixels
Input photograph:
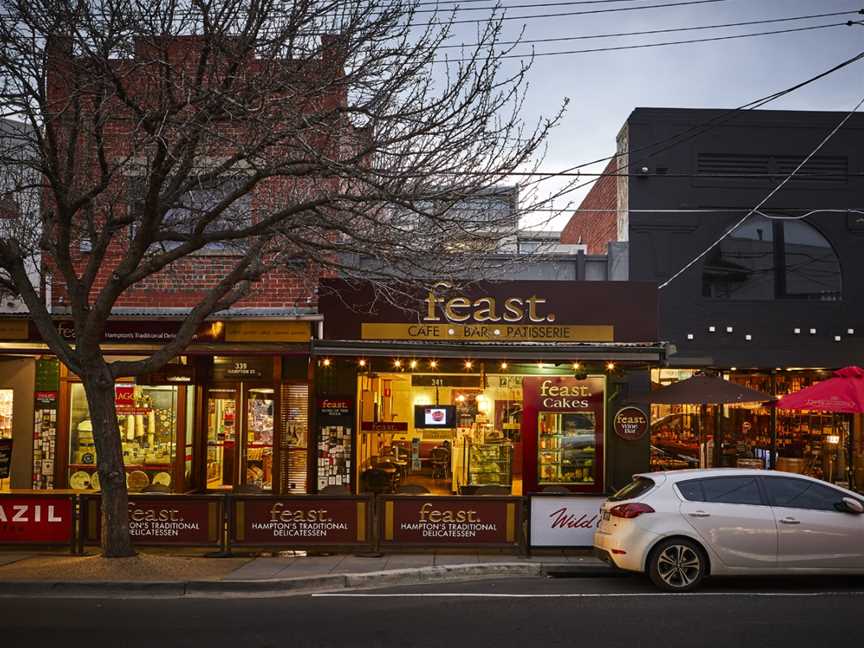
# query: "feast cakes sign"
{"type": "Point", "coordinates": [491, 311]}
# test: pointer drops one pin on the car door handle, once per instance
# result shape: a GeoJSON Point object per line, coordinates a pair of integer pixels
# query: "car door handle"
{"type": "Point", "coordinates": [699, 514]}
{"type": "Point", "coordinates": [789, 521]}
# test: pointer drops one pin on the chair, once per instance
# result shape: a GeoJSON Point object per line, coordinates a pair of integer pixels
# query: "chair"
{"type": "Point", "coordinates": [440, 458]}
{"type": "Point", "coordinates": [412, 489]}
{"type": "Point", "coordinates": [375, 481]}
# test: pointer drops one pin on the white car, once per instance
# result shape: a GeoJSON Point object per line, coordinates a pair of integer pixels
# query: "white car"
{"type": "Point", "coordinates": [680, 526]}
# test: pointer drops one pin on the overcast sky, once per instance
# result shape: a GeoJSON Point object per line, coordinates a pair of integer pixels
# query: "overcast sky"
{"type": "Point", "coordinates": [605, 87]}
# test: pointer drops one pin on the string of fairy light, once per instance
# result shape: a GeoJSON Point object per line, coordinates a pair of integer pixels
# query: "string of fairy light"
{"type": "Point", "coordinates": [413, 364]}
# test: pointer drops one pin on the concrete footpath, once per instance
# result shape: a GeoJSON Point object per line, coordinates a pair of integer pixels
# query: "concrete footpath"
{"type": "Point", "coordinates": [166, 575]}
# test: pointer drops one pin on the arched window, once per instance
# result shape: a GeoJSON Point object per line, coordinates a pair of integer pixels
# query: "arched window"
{"type": "Point", "coordinates": [773, 259]}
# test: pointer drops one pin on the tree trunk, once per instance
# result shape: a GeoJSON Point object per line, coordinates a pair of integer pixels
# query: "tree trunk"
{"type": "Point", "coordinates": [99, 387]}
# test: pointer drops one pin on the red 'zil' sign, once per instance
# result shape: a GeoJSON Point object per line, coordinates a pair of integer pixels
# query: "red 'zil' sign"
{"type": "Point", "coordinates": [35, 520]}
{"type": "Point", "coordinates": [300, 521]}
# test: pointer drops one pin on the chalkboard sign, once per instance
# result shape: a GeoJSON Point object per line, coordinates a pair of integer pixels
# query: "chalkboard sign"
{"type": "Point", "coordinates": [5, 457]}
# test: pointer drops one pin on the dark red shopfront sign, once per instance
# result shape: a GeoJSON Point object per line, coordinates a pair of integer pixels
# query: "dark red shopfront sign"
{"type": "Point", "coordinates": [36, 519]}
{"type": "Point", "coordinates": [260, 521]}
{"type": "Point", "coordinates": [481, 521]}
{"type": "Point", "coordinates": [163, 519]}
{"type": "Point", "coordinates": [571, 456]}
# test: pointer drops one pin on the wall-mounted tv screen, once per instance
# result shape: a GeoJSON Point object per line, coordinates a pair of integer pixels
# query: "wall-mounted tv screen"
{"type": "Point", "coordinates": [434, 416]}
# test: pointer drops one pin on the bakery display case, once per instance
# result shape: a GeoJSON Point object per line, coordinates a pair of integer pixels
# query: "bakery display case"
{"type": "Point", "coordinates": [566, 448]}
{"type": "Point", "coordinates": [147, 417]}
{"type": "Point", "coordinates": [490, 464]}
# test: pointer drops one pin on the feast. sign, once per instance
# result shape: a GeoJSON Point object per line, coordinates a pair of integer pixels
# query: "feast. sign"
{"type": "Point", "coordinates": [492, 311]}
{"type": "Point", "coordinates": [451, 520]}
{"type": "Point", "coordinates": [165, 520]}
{"type": "Point", "coordinates": [300, 521]}
{"type": "Point", "coordinates": [36, 520]}
{"type": "Point", "coordinates": [630, 423]}
{"type": "Point", "coordinates": [564, 521]}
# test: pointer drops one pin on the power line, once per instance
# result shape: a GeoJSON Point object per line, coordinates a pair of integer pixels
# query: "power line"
{"type": "Point", "coordinates": [663, 44]}
{"type": "Point", "coordinates": [657, 31]}
{"type": "Point", "coordinates": [503, 6]}
{"type": "Point", "coordinates": [529, 5]}
{"type": "Point", "coordinates": [768, 197]}
{"type": "Point", "coordinates": [703, 127]}
{"type": "Point", "coordinates": [573, 13]}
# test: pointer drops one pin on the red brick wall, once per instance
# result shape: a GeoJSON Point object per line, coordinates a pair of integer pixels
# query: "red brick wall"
{"type": "Point", "coordinates": [186, 281]}
{"type": "Point", "coordinates": [596, 228]}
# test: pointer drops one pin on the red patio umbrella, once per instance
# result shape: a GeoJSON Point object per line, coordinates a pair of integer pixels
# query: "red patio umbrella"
{"type": "Point", "coordinates": [843, 393]}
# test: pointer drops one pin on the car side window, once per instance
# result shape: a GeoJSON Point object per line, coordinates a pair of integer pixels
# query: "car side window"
{"type": "Point", "coordinates": [691, 490]}
{"type": "Point", "coordinates": [789, 492]}
{"type": "Point", "coordinates": [721, 490]}
{"type": "Point", "coordinates": [732, 490]}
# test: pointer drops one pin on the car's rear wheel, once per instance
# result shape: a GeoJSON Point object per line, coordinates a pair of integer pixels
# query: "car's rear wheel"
{"type": "Point", "coordinates": [677, 565]}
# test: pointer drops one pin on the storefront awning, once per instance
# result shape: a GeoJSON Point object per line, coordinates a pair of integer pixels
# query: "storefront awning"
{"type": "Point", "coordinates": [527, 351]}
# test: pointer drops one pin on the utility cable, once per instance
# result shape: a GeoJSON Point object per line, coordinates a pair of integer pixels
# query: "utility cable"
{"type": "Point", "coordinates": [586, 12]}
{"type": "Point", "coordinates": [762, 202]}
{"type": "Point", "coordinates": [663, 44]}
{"type": "Point", "coordinates": [652, 32]}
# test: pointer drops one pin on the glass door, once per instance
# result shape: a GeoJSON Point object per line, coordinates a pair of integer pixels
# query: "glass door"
{"type": "Point", "coordinates": [257, 465]}
{"type": "Point", "coordinates": [221, 437]}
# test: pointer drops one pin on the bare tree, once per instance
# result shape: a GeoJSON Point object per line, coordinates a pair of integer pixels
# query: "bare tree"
{"type": "Point", "coordinates": [269, 134]}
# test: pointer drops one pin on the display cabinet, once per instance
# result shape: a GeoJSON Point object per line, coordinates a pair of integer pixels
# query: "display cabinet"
{"type": "Point", "coordinates": [490, 464]}
{"type": "Point", "coordinates": [566, 448]}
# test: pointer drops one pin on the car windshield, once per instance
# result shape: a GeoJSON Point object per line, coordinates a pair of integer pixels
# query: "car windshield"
{"type": "Point", "coordinates": [636, 488]}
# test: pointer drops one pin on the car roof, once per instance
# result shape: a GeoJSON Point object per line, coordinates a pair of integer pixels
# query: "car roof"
{"type": "Point", "coordinates": [695, 473]}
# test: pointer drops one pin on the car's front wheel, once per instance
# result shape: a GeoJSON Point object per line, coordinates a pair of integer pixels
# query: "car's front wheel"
{"type": "Point", "coordinates": [677, 565]}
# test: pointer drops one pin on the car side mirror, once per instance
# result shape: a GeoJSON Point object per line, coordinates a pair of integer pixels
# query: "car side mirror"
{"type": "Point", "coordinates": [852, 505]}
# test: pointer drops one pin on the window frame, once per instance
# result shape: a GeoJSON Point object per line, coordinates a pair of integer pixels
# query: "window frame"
{"type": "Point", "coordinates": [779, 254]}
{"type": "Point", "coordinates": [216, 248]}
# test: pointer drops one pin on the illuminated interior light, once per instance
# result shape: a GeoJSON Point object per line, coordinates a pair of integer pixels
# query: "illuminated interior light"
{"type": "Point", "coordinates": [361, 362]}
{"type": "Point", "coordinates": [413, 364]}
{"type": "Point", "coordinates": [397, 363]}
{"type": "Point", "coordinates": [326, 362]}
{"type": "Point", "coordinates": [610, 366]}
{"type": "Point", "coordinates": [468, 364]}
{"type": "Point", "coordinates": [576, 365]}
{"type": "Point", "coordinates": [503, 365]}
{"type": "Point", "coordinates": [433, 363]}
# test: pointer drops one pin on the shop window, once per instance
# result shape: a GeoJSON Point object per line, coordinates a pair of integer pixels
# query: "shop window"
{"type": "Point", "coordinates": [567, 448]}
{"type": "Point", "coordinates": [6, 398]}
{"type": "Point", "coordinates": [198, 203]}
{"type": "Point", "coordinates": [766, 259]}
{"type": "Point", "coordinates": [802, 494]}
{"type": "Point", "coordinates": [147, 417]}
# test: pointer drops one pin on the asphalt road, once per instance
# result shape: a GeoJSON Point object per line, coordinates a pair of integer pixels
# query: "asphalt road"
{"type": "Point", "coordinates": [573, 612]}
